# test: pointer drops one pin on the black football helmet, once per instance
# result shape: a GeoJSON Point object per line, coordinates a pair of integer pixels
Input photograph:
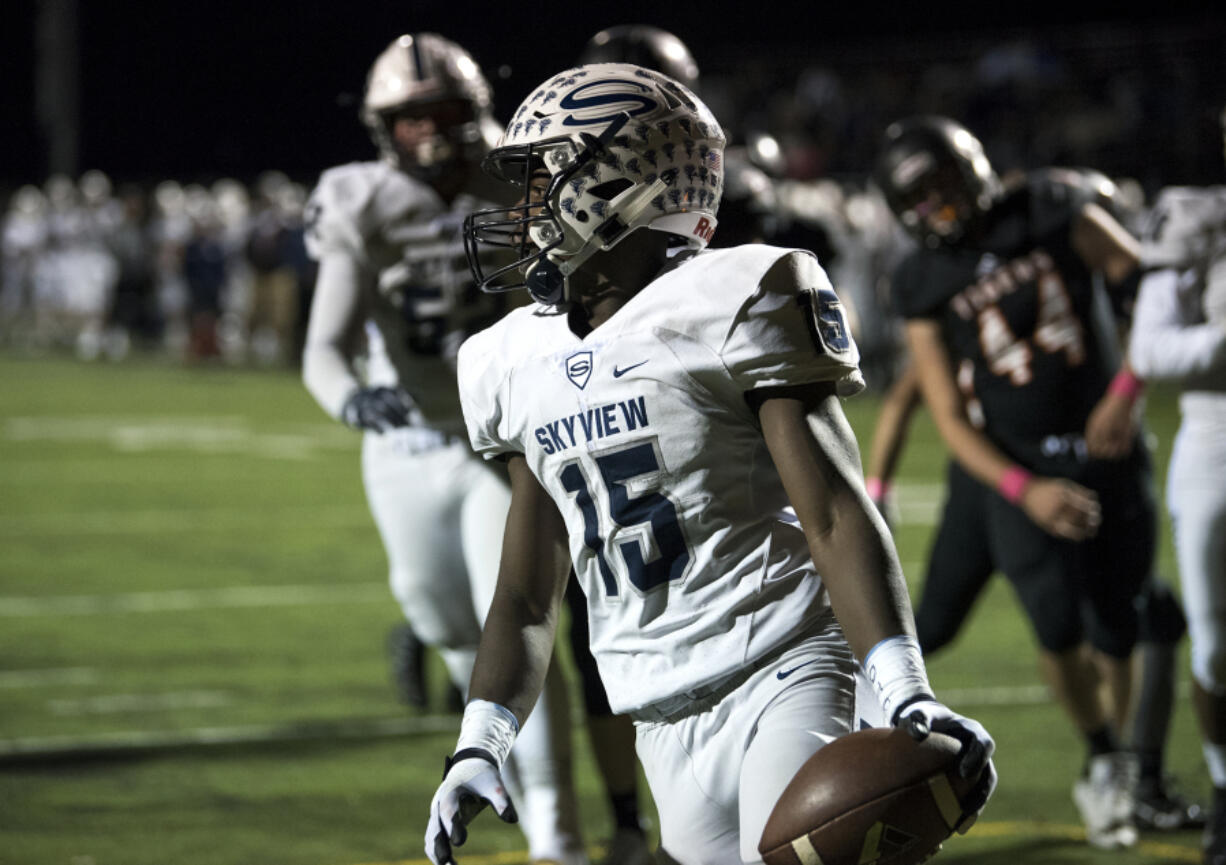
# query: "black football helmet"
{"type": "Point", "coordinates": [936, 178]}
{"type": "Point", "coordinates": [646, 46]}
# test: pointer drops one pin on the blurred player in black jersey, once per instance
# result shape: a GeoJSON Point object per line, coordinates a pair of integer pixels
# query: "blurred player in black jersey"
{"type": "Point", "coordinates": [1015, 364]}
{"type": "Point", "coordinates": [960, 561]}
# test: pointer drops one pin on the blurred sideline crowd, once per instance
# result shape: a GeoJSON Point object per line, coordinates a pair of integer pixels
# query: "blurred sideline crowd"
{"type": "Point", "coordinates": [221, 272]}
{"type": "Point", "coordinates": [217, 272]}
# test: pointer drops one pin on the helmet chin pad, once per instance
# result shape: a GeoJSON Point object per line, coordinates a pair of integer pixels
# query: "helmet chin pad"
{"type": "Point", "coordinates": [546, 283]}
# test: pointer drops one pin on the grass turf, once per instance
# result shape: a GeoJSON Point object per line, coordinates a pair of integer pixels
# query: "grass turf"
{"type": "Point", "coordinates": [192, 616]}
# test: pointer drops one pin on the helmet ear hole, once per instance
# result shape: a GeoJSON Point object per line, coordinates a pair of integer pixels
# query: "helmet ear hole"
{"type": "Point", "coordinates": [610, 189]}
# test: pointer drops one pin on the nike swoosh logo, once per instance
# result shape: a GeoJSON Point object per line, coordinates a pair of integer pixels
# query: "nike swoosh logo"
{"type": "Point", "coordinates": [783, 674]}
{"type": "Point", "coordinates": [618, 373]}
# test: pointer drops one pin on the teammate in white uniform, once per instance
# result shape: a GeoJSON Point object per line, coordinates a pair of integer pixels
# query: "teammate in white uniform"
{"type": "Point", "coordinates": [671, 416]}
{"type": "Point", "coordinates": [391, 263]}
{"type": "Point", "coordinates": [1179, 333]}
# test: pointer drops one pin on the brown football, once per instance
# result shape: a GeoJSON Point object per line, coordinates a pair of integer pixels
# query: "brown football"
{"type": "Point", "coordinates": [874, 797]}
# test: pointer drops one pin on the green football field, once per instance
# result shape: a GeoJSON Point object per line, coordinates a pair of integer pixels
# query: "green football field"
{"type": "Point", "coordinates": [192, 621]}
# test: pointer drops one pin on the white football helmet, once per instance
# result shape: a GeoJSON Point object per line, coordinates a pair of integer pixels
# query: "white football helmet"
{"type": "Point", "coordinates": [418, 70]}
{"type": "Point", "coordinates": [624, 148]}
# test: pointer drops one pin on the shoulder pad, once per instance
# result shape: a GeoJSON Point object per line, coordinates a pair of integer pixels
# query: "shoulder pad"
{"type": "Point", "coordinates": [777, 321]}
{"type": "Point", "coordinates": [353, 203]}
{"type": "Point", "coordinates": [1053, 202]}
{"type": "Point", "coordinates": [1182, 225]}
{"type": "Point", "coordinates": [483, 366]}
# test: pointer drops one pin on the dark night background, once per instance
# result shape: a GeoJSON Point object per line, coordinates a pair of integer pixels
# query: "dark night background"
{"type": "Point", "coordinates": [203, 90]}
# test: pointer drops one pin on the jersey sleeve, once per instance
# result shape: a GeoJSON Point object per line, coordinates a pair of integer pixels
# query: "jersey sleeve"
{"type": "Point", "coordinates": [333, 213]}
{"type": "Point", "coordinates": [482, 384]}
{"type": "Point", "coordinates": [1170, 338]}
{"type": "Point", "coordinates": [792, 330]}
{"type": "Point", "coordinates": [361, 205]}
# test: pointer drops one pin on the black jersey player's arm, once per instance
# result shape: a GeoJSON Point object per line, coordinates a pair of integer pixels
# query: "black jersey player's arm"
{"type": "Point", "coordinates": [518, 635]}
{"type": "Point", "coordinates": [816, 454]}
{"type": "Point", "coordinates": [1106, 246]}
{"type": "Point", "coordinates": [1059, 506]}
{"type": "Point", "coordinates": [890, 432]}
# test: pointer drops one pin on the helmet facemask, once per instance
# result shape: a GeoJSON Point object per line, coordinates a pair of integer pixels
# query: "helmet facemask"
{"type": "Point", "coordinates": [937, 206]}
{"type": "Point", "coordinates": [456, 139]}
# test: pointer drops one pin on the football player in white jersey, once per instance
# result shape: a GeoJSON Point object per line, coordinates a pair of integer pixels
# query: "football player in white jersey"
{"type": "Point", "coordinates": [671, 417]}
{"type": "Point", "coordinates": [392, 269]}
{"type": "Point", "coordinates": [1179, 333]}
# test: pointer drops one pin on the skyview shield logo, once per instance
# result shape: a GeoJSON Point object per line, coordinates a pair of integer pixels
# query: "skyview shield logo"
{"type": "Point", "coordinates": [579, 368]}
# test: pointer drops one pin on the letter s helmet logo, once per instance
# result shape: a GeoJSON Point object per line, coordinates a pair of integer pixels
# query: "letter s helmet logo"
{"type": "Point", "coordinates": [598, 103]}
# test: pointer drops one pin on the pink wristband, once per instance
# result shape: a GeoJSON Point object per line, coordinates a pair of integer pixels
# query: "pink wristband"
{"type": "Point", "coordinates": [1126, 384]}
{"type": "Point", "coordinates": [877, 488]}
{"type": "Point", "coordinates": [1013, 484]}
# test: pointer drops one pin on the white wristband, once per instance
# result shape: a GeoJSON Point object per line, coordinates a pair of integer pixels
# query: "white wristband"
{"type": "Point", "coordinates": [895, 667]}
{"type": "Point", "coordinates": [490, 727]}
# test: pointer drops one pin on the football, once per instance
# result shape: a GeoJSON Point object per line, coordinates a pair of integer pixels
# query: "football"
{"type": "Point", "coordinates": [873, 797]}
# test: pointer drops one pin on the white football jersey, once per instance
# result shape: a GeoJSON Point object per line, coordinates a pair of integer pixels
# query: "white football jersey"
{"type": "Point", "coordinates": [418, 291]}
{"type": "Point", "coordinates": [691, 557]}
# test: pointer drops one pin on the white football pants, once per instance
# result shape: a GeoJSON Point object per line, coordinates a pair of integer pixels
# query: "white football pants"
{"type": "Point", "coordinates": [716, 774]}
{"type": "Point", "coordinates": [441, 514]}
{"type": "Point", "coordinates": [1196, 497]}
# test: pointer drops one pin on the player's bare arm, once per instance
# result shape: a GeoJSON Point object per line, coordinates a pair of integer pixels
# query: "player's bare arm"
{"type": "Point", "coordinates": [898, 406]}
{"type": "Point", "coordinates": [516, 645]}
{"type": "Point", "coordinates": [818, 460]}
{"type": "Point", "coordinates": [1106, 246]}
{"type": "Point", "coordinates": [817, 457]}
{"type": "Point", "coordinates": [517, 641]}
{"type": "Point", "coordinates": [1059, 506]}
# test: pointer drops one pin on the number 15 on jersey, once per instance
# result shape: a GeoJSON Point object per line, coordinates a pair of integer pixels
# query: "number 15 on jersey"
{"type": "Point", "coordinates": [649, 516]}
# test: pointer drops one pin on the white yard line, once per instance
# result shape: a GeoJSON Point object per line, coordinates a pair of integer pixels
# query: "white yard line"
{"type": "Point", "coordinates": [207, 434]}
{"type": "Point", "coordinates": [195, 599]}
{"type": "Point", "coordinates": [110, 704]}
{"type": "Point", "coordinates": [74, 524]}
{"type": "Point", "coordinates": [121, 741]}
{"type": "Point", "coordinates": [10, 679]}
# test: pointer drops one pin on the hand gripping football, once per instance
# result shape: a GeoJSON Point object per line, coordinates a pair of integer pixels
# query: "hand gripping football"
{"type": "Point", "coordinates": [874, 797]}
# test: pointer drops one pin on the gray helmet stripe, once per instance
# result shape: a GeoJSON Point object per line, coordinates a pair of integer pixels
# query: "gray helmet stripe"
{"type": "Point", "coordinates": [419, 63]}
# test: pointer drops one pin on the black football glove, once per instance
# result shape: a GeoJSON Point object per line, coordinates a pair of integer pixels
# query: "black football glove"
{"type": "Point", "coordinates": [377, 408]}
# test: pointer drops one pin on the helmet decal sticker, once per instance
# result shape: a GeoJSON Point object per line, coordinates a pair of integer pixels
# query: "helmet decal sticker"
{"type": "Point", "coordinates": [615, 103]}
